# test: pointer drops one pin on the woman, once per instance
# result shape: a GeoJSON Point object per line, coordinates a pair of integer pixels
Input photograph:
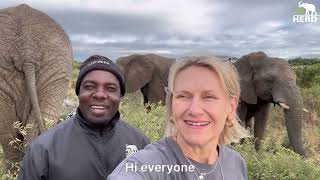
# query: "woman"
{"type": "Point", "coordinates": [202, 98]}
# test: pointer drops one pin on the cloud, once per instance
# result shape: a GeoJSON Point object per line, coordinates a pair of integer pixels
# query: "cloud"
{"type": "Point", "coordinates": [176, 28]}
{"type": "Point", "coordinates": [183, 16]}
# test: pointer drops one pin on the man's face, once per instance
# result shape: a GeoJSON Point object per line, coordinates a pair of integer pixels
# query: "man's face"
{"type": "Point", "coordinates": [99, 96]}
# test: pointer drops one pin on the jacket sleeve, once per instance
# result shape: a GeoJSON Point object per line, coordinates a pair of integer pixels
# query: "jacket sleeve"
{"type": "Point", "coordinates": [34, 164]}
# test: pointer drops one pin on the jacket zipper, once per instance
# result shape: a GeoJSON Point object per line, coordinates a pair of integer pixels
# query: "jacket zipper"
{"type": "Point", "coordinates": [101, 133]}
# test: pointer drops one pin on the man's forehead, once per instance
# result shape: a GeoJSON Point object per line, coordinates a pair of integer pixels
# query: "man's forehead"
{"type": "Point", "coordinates": [100, 76]}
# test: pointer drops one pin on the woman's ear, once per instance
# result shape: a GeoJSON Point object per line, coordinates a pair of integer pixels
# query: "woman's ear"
{"type": "Point", "coordinates": [233, 110]}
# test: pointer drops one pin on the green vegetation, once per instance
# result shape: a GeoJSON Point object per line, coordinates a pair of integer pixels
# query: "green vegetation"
{"type": "Point", "coordinates": [308, 75]}
{"type": "Point", "coordinates": [73, 79]}
{"type": "Point", "coordinates": [275, 160]}
{"type": "Point", "coordinates": [300, 61]}
{"type": "Point", "coordinates": [150, 122]}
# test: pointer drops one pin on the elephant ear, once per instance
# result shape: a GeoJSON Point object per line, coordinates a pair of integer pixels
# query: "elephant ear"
{"type": "Point", "coordinates": [248, 92]}
{"type": "Point", "coordinates": [138, 71]}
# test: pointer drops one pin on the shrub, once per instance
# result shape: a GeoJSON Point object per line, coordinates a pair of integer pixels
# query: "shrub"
{"type": "Point", "coordinates": [311, 97]}
{"type": "Point", "coordinates": [276, 162]}
{"type": "Point", "coordinates": [308, 76]}
{"type": "Point", "coordinates": [150, 122]}
{"type": "Point", "coordinates": [73, 79]}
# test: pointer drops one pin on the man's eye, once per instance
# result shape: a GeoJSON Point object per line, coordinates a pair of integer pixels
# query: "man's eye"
{"type": "Point", "coordinates": [111, 89]}
{"type": "Point", "coordinates": [88, 87]}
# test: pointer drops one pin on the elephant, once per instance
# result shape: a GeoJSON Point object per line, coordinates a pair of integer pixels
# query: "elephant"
{"type": "Point", "coordinates": [149, 73]}
{"type": "Point", "coordinates": [265, 80]}
{"type": "Point", "coordinates": [35, 67]}
{"type": "Point", "coordinates": [310, 8]}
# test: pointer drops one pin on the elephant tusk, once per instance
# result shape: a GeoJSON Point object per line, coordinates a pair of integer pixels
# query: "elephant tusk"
{"type": "Point", "coordinates": [284, 106]}
{"type": "Point", "coordinates": [305, 110]}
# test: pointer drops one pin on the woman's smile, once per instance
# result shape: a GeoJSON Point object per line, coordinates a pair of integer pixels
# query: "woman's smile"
{"type": "Point", "coordinates": [197, 124]}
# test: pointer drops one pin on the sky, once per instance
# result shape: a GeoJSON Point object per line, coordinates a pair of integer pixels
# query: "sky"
{"type": "Point", "coordinates": [178, 28]}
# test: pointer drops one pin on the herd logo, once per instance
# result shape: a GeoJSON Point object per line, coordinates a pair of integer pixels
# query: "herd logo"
{"type": "Point", "coordinates": [306, 12]}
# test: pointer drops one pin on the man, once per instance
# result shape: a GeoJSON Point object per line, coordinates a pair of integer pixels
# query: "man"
{"type": "Point", "coordinates": [90, 144]}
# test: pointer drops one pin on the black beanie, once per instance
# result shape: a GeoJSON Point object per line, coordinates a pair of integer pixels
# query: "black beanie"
{"type": "Point", "coordinates": [97, 62]}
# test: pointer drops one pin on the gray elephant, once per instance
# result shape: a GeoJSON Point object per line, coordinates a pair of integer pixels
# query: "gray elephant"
{"type": "Point", "coordinates": [149, 73]}
{"type": "Point", "coordinates": [35, 66]}
{"type": "Point", "coordinates": [265, 80]}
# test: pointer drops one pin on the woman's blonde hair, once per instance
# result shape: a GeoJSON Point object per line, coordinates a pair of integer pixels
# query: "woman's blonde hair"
{"type": "Point", "coordinates": [229, 79]}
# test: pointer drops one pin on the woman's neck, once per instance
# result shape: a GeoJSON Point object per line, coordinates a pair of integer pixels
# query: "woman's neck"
{"type": "Point", "coordinates": [203, 154]}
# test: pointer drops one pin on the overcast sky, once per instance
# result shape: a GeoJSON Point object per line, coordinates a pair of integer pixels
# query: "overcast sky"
{"type": "Point", "coordinates": [176, 28]}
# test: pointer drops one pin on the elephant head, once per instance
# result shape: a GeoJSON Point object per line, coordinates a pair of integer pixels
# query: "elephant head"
{"type": "Point", "coordinates": [265, 80]}
{"type": "Point", "coordinates": [149, 73]}
{"type": "Point", "coordinates": [35, 66]}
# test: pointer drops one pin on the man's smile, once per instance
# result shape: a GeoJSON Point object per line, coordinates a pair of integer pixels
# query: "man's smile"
{"type": "Point", "coordinates": [98, 110]}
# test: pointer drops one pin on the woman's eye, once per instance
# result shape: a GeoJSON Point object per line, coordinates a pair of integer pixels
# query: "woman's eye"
{"type": "Point", "coordinates": [181, 96]}
{"type": "Point", "coordinates": [210, 97]}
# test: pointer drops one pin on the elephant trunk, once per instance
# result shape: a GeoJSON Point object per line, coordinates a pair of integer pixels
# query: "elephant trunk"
{"type": "Point", "coordinates": [294, 119]}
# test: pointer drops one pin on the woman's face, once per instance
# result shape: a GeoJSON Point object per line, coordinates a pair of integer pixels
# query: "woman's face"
{"type": "Point", "coordinates": [200, 106]}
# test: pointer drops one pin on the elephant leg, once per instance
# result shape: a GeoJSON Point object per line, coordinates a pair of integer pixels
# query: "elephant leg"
{"type": "Point", "coordinates": [246, 113]}
{"type": "Point", "coordinates": [8, 116]}
{"type": "Point", "coordinates": [242, 112]}
{"type": "Point", "coordinates": [144, 91]}
{"type": "Point", "coordinates": [260, 120]}
{"type": "Point", "coordinates": [11, 154]}
{"type": "Point", "coordinates": [250, 124]}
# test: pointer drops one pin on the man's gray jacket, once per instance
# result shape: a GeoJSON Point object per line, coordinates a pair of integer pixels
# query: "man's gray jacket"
{"type": "Point", "coordinates": [76, 149]}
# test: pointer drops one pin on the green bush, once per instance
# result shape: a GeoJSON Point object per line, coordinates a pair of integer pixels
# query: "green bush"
{"type": "Point", "coordinates": [276, 162]}
{"type": "Point", "coordinates": [73, 79]}
{"type": "Point", "coordinates": [311, 97]}
{"type": "Point", "coordinates": [151, 122]}
{"type": "Point", "coordinates": [300, 61]}
{"type": "Point", "coordinates": [307, 76]}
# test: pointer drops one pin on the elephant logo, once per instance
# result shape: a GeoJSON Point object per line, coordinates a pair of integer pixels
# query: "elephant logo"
{"type": "Point", "coordinates": [131, 149]}
{"type": "Point", "coordinates": [306, 12]}
{"type": "Point", "coordinates": [70, 115]}
{"type": "Point", "coordinates": [310, 9]}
